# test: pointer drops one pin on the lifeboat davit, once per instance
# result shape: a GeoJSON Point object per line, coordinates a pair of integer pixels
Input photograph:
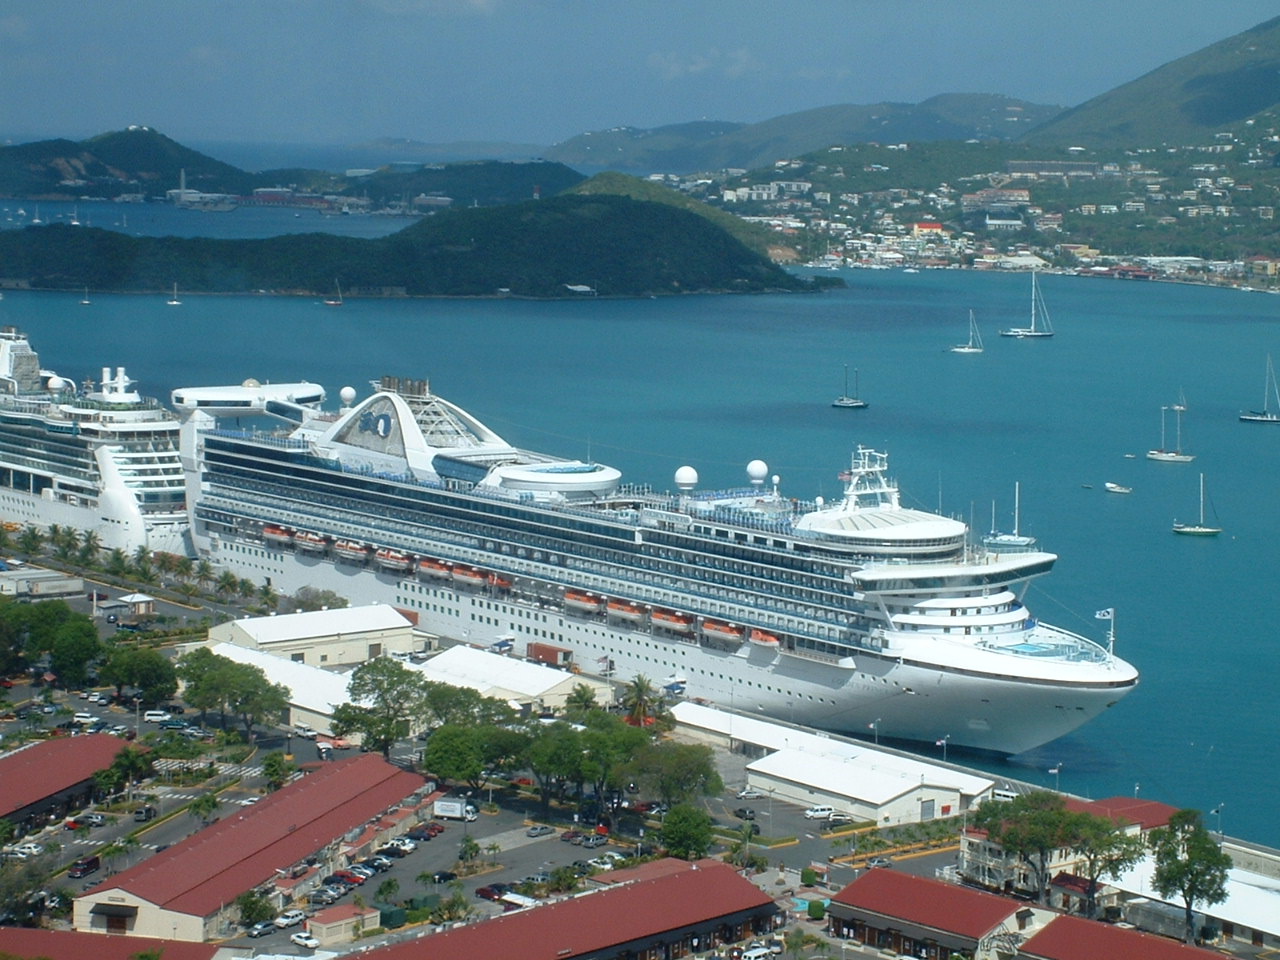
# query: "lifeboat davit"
{"type": "Point", "coordinates": [312, 542]}
{"type": "Point", "coordinates": [583, 602]}
{"type": "Point", "coordinates": [393, 559]}
{"type": "Point", "coordinates": [722, 631]}
{"type": "Point", "coordinates": [763, 638]}
{"type": "Point", "coordinates": [625, 611]}
{"type": "Point", "coordinates": [278, 535]}
{"type": "Point", "coordinates": [669, 620]}
{"type": "Point", "coordinates": [437, 569]}
{"type": "Point", "coordinates": [352, 550]}
{"type": "Point", "coordinates": [472, 578]}
{"type": "Point", "coordinates": [499, 582]}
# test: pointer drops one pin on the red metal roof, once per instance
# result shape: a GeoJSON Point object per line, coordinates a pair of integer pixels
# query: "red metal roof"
{"type": "Point", "coordinates": [1148, 814]}
{"type": "Point", "coordinates": [66, 945]}
{"type": "Point", "coordinates": [1073, 938]}
{"type": "Point", "coordinates": [928, 903]}
{"type": "Point", "coordinates": [213, 867]}
{"type": "Point", "coordinates": [32, 773]}
{"type": "Point", "coordinates": [647, 871]}
{"type": "Point", "coordinates": [595, 921]}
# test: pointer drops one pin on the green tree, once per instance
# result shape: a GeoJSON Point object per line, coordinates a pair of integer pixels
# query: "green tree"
{"type": "Point", "coordinates": [797, 940]}
{"type": "Point", "coordinates": [30, 540]}
{"type": "Point", "coordinates": [74, 648]}
{"type": "Point", "coordinates": [1106, 849]}
{"type": "Point", "coordinates": [207, 676]}
{"type": "Point", "coordinates": [254, 908]}
{"type": "Point", "coordinates": [686, 832]}
{"type": "Point", "coordinates": [252, 697]}
{"type": "Point", "coordinates": [642, 701]}
{"type": "Point", "coordinates": [386, 697]}
{"type": "Point", "coordinates": [1031, 826]}
{"type": "Point", "coordinates": [147, 670]}
{"type": "Point", "coordinates": [455, 753]}
{"type": "Point", "coordinates": [468, 849]}
{"type": "Point", "coordinates": [204, 806]}
{"type": "Point", "coordinates": [8, 830]}
{"type": "Point", "coordinates": [580, 701]}
{"type": "Point", "coordinates": [676, 772]}
{"type": "Point", "coordinates": [310, 599]}
{"type": "Point", "coordinates": [1189, 865]}
{"type": "Point", "coordinates": [90, 544]}
{"type": "Point", "coordinates": [608, 745]}
{"type": "Point", "coordinates": [555, 755]}
{"type": "Point", "coordinates": [132, 765]}
{"type": "Point", "coordinates": [277, 769]}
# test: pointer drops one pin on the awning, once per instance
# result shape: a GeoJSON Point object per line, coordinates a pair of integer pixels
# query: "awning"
{"type": "Point", "coordinates": [114, 910]}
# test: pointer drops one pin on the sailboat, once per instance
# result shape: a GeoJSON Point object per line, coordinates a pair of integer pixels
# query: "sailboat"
{"type": "Point", "coordinates": [174, 301]}
{"type": "Point", "coordinates": [335, 301]}
{"type": "Point", "coordinates": [996, 540]}
{"type": "Point", "coordinates": [1163, 454]}
{"type": "Point", "coordinates": [975, 339]}
{"type": "Point", "coordinates": [1197, 529]}
{"type": "Point", "coordinates": [845, 399]}
{"type": "Point", "coordinates": [1040, 324]}
{"type": "Point", "coordinates": [1269, 391]}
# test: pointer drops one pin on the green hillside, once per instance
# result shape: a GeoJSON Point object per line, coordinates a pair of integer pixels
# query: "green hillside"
{"type": "Point", "coordinates": [1215, 90]}
{"type": "Point", "coordinates": [613, 245]}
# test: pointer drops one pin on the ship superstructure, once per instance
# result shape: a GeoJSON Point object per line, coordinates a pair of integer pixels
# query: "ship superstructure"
{"type": "Point", "coordinates": [101, 460]}
{"type": "Point", "coordinates": [855, 615]}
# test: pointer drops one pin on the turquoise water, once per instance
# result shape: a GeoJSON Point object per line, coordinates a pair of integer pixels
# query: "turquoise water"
{"type": "Point", "coordinates": [650, 385]}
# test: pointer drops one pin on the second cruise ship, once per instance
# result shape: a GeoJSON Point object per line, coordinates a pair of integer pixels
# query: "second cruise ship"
{"type": "Point", "coordinates": [854, 615]}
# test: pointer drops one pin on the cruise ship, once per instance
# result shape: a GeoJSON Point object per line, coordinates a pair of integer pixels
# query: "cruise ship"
{"type": "Point", "coordinates": [859, 615]}
{"type": "Point", "coordinates": [103, 460]}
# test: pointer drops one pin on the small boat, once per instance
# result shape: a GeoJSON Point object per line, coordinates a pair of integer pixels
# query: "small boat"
{"type": "Point", "coordinates": [1200, 529]}
{"type": "Point", "coordinates": [85, 300]}
{"type": "Point", "coordinates": [850, 402]}
{"type": "Point", "coordinates": [499, 582]}
{"type": "Point", "coordinates": [173, 300]}
{"type": "Point", "coordinates": [676, 622]}
{"type": "Point", "coordinates": [1269, 391]}
{"type": "Point", "coordinates": [436, 569]}
{"type": "Point", "coordinates": [975, 339]}
{"type": "Point", "coordinates": [622, 610]}
{"type": "Point", "coordinates": [1117, 488]}
{"type": "Point", "coordinates": [337, 300]}
{"type": "Point", "coordinates": [763, 638]}
{"type": "Point", "coordinates": [998, 541]}
{"type": "Point", "coordinates": [1163, 454]}
{"type": "Point", "coordinates": [723, 631]}
{"type": "Point", "coordinates": [278, 535]}
{"type": "Point", "coordinates": [311, 542]}
{"type": "Point", "coordinates": [469, 577]}
{"type": "Point", "coordinates": [390, 559]}
{"type": "Point", "coordinates": [583, 602]}
{"type": "Point", "coordinates": [1040, 324]}
{"type": "Point", "coordinates": [352, 550]}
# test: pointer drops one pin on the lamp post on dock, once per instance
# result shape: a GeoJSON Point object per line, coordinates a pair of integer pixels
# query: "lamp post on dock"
{"type": "Point", "coordinates": [1056, 770]}
{"type": "Point", "coordinates": [943, 744]}
{"type": "Point", "coordinates": [875, 729]}
{"type": "Point", "coordinates": [1217, 812]}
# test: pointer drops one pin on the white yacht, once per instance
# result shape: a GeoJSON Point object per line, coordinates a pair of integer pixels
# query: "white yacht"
{"type": "Point", "coordinates": [103, 460]}
{"type": "Point", "coordinates": [836, 615]}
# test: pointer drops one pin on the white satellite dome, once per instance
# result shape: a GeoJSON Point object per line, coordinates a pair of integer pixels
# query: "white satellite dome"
{"type": "Point", "coordinates": [57, 383]}
{"type": "Point", "coordinates": [757, 470]}
{"type": "Point", "coordinates": [347, 395]}
{"type": "Point", "coordinates": [686, 478]}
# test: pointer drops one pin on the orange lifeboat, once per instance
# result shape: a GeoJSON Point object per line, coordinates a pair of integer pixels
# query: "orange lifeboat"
{"type": "Point", "coordinates": [352, 550]}
{"type": "Point", "coordinates": [583, 602]}
{"type": "Point", "coordinates": [312, 542]}
{"type": "Point", "coordinates": [625, 611]}
{"type": "Point", "coordinates": [277, 535]}
{"type": "Point", "coordinates": [437, 569]}
{"type": "Point", "coordinates": [763, 638]}
{"type": "Point", "coordinates": [499, 582]}
{"type": "Point", "coordinates": [469, 577]}
{"type": "Point", "coordinates": [390, 559]}
{"type": "Point", "coordinates": [722, 631]}
{"type": "Point", "coordinates": [676, 622]}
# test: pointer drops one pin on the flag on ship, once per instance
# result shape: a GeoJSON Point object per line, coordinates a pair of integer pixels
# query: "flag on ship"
{"type": "Point", "coordinates": [1107, 614]}
{"type": "Point", "coordinates": [1056, 770]}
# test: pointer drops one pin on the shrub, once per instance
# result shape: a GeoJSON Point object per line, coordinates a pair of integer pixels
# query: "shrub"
{"type": "Point", "coordinates": [808, 877]}
{"type": "Point", "coordinates": [817, 910]}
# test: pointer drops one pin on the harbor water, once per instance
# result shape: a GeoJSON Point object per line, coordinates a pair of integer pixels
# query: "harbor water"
{"type": "Point", "coordinates": [714, 382]}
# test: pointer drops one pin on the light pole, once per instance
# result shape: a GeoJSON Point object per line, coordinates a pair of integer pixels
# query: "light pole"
{"type": "Point", "coordinates": [943, 744]}
{"type": "Point", "coordinates": [1056, 770]}
{"type": "Point", "coordinates": [875, 727]}
{"type": "Point", "coordinates": [137, 714]}
{"type": "Point", "coordinates": [1217, 812]}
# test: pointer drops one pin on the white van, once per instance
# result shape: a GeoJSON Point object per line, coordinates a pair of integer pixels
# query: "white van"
{"type": "Point", "coordinates": [155, 716]}
{"type": "Point", "coordinates": [820, 812]}
{"type": "Point", "coordinates": [303, 730]}
{"type": "Point", "coordinates": [758, 953]}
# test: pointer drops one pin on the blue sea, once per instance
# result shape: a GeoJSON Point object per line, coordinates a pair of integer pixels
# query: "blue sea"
{"type": "Point", "coordinates": [714, 382]}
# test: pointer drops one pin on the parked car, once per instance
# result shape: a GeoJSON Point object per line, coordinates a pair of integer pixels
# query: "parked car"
{"type": "Point", "coordinates": [534, 879]}
{"type": "Point", "coordinates": [290, 918]}
{"type": "Point", "coordinates": [880, 862]}
{"type": "Point", "coordinates": [594, 840]}
{"type": "Point", "coordinates": [419, 834]}
{"type": "Point", "coordinates": [381, 862]}
{"type": "Point", "coordinates": [391, 850]}
{"type": "Point", "coordinates": [839, 817]}
{"type": "Point", "coordinates": [404, 843]}
{"type": "Point", "coordinates": [260, 929]}
{"type": "Point", "coordinates": [324, 897]}
{"type": "Point", "coordinates": [144, 813]}
{"type": "Point", "coordinates": [435, 828]}
{"type": "Point", "coordinates": [572, 836]}
{"type": "Point", "coordinates": [304, 939]}
{"type": "Point", "coordinates": [28, 850]}
{"type": "Point", "coordinates": [84, 866]}
{"type": "Point", "coordinates": [338, 882]}
{"type": "Point", "coordinates": [745, 813]}
{"type": "Point", "coordinates": [539, 830]}
{"type": "Point", "coordinates": [820, 812]}
{"type": "Point", "coordinates": [363, 870]}
{"type": "Point", "coordinates": [750, 793]}
{"type": "Point", "coordinates": [581, 867]}
{"type": "Point", "coordinates": [443, 876]}
{"type": "Point", "coordinates": [493, 891]}
{"type": "Point", "coordinates": [600, 863]}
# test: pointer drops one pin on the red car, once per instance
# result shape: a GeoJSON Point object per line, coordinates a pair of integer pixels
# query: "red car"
{"type": "Point", "coordinates": [434, 828]}
{"type": "Point", "coordinates": [570, 836]}
{"type": "Point", "coordinates": [349, 876]}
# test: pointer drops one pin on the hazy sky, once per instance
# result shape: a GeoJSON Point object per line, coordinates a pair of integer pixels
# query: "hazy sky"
{"type": "Point", "coordinates": [540, 71]}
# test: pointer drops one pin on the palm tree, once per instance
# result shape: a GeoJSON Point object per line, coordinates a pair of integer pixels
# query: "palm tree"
{"type": "Point", "coordinates": [493, 849]}
{"type": "Point", "coordinates": [184, 568]}
{"type": "Point", "coordinates": [245, 588]}
{"type": "Point", "coordinates": [117, 563]}
{"type": "Point", "coordinates": [270, 599]}
{"type": "Point", "coordinates": [30, 540]}
{"type": "Point", "coordinates": [797, 940]}
{"type": "Point", "coordinates": [580, 701]}
{"type": "Point", "coordinates": [228, 583]}
{"type": "Point", "coordinates": [468, 849]}
{"type": "Point", "coordinates": [90, 544]}
{"type": "Point", "coordinates": [142, 557]}
{"type": "Point", "coordinates": [205, 574]}
{"type": "Point", "coordinates": [641, 701]}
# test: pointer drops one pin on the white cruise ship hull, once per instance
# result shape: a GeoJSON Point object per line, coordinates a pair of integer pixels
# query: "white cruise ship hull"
{"type": "Point", "coordinates": [917, 701]}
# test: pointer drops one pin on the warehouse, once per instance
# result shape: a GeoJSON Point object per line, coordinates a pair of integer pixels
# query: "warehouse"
{"type": "Point", "coordinates": [344, 637]}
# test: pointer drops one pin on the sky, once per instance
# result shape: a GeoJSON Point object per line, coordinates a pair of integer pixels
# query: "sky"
{"type": "Point", "coordinates": [541, 71]}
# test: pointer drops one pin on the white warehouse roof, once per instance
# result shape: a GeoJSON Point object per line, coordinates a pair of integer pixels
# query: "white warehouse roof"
{"type": "Point", "coordinates": [482, 670]}
{"type": "Point", "coordinates": [311, 688]}
{"type": "Point", "coordinates": [869, 762]}
{"type": "Point", "coordinates": [323, 623]}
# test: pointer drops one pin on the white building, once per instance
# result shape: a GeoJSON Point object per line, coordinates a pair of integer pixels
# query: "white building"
{"type": "Point", "coordinates": [526, 686]}
{"type": "Point", "coordinates": [343, 637]}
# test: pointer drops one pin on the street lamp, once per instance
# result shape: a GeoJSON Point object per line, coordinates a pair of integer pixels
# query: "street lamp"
{"type": "Point", "coordinates": [875, 727]}
{"type": "Point", "coordinates": [943, 744]}
{"type": "Point", "coordinates": [1217, 812]}
{"type": "Point", "coordinates": [1056, 770]}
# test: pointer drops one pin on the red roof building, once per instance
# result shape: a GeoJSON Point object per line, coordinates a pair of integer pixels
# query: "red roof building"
{"type": "Point", "coordinates": [1145, 814]}
{"type": "Point", "coordinates": [917, 916]}
{"type": "Point", "coordinates": [187, 892]}
{"type": "Point", "coordinates": [1073, 938]}
{"type": "Point", "coordinates": [692, 910]}
{"type": "Point", "coordinates": [68, 945]}
{"type": "Point", "coordinates": [50, 778]}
